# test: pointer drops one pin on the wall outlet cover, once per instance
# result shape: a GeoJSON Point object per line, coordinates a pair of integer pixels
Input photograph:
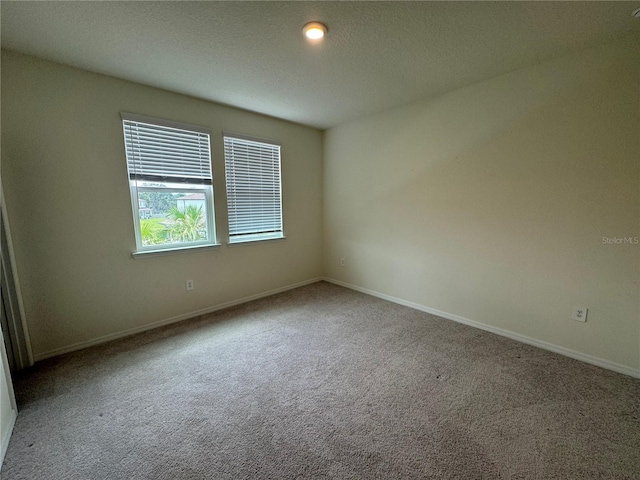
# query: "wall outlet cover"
{"type": "Point", "coordinates": [579, 314]}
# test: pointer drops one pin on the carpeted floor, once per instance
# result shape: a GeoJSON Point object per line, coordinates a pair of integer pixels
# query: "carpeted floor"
{"type": "Point", "coordinates": [322, 382]}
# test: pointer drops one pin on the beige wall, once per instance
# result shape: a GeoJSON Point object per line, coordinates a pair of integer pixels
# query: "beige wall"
{"type": "Point", "coordinates": [66, 188]}
{"type": "Point", "coordinates": [491, 202]}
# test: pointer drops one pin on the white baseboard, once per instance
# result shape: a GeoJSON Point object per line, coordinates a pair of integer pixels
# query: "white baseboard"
{"type": "Point", "coordinates": [584, 357]}
{"type": "Point", "coordinates": [6, 435]}
{"type": "Point", "coordinates": [131, 331]}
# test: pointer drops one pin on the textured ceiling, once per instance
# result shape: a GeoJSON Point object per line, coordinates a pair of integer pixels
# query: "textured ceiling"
{"type": "Point", "coordinates": [252, 55]}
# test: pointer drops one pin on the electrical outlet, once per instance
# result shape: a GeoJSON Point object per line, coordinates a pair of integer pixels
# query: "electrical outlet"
{"type": "Point", "coordinates": [343, 262]}
{"type": "Point", "coordinates": [579, 314]}
{"type": "Point", "coordinates": [189, 284]}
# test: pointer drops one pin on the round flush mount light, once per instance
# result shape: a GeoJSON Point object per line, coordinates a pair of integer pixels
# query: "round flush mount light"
{"type": "Point", "coordinates": [636, 13]}
{"type": "Point", "coordinates": [314, 30]}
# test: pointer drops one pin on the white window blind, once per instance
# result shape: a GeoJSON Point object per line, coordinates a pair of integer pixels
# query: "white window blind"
{"type": "Point", "coordinates": [164, 153]}
{"type": "Point", "coordinates": [254, 194]}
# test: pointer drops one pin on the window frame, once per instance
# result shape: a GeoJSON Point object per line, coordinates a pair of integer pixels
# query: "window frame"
{"type": "Point", "coordinates": [136, 187]}
{"type": "Point", "coordinates": [208, 197]}
{"type": "Point", "coordinates": [253, 237]}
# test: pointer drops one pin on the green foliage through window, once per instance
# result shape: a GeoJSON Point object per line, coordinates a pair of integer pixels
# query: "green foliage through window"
{"type": "Point", "coordinates": [180, 226]}
{"type": "Point", "coordinates": [158, 201]}
{"type": "Point", "coordinates": [188, 225]}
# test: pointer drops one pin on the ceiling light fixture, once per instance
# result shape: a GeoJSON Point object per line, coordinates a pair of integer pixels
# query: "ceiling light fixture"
{"type": "Point", "coordinates": [314, 30]}
{"type": "Point", "coordinates": [636, 13]}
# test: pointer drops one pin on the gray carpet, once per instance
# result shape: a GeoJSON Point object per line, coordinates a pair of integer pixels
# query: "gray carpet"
{"type": "Point", "coordinates": [322, 382]}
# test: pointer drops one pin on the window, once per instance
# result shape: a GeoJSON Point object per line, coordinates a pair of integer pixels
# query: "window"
{"type": "Point", "coordinates": [171, 184]}
{"type": "Point", "coordinates": [254, 193]}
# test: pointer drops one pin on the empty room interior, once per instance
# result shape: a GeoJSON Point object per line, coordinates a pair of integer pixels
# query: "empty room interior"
{"type": "Point", "coordinates": [351, 240]}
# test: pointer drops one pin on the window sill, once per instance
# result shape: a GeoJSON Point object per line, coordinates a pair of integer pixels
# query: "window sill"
{"type": "Point", "coordinates": [240, 243]}
{"type": "Point", "coordinates": [173, 251]}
